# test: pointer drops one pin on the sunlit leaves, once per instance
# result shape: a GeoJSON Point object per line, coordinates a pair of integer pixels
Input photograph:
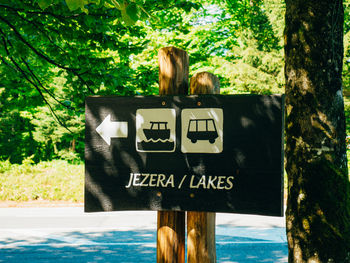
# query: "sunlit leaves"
{"type": "Point", "coordinates": [44, 3]}
{"type": "Point", "coordinates": [131, 11]}
{"type": "Point", "coordinates": [76, 4]}
{"type": "Point", "coordinates": [112, 49]}
{"type": "Point", "coordinates": [73, 5]}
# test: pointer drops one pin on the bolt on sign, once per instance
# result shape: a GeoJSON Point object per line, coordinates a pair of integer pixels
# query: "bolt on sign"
{"type": "Point", "coordinates": [195, 153]}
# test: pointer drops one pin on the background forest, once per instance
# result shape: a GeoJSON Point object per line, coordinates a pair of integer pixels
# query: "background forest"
{"type": "Point", "coordinates": [51, 58]}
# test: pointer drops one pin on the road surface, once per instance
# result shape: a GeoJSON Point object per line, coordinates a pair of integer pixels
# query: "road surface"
{"type": "Point", "coordinates": [38, 235]}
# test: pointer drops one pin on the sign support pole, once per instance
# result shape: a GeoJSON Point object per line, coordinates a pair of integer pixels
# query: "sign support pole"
{"type": "Point", "coordinates": [201, 225]}
{"type": "Point", "coordinates": [173, 80]}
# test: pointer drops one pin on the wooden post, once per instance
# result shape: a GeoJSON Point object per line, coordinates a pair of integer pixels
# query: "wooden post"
{"type": "Point", "coordinates": [173, 71]}
{"type": "Point", "coordinates": [201, 225]}
{"type": "Point", "coordinates": [173, 79]}
{"type": "Point", "coordinates": [204, 83]}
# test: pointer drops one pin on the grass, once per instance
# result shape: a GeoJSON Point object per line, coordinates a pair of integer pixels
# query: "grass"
{"type": "Point", "coordinates": [57, 180]}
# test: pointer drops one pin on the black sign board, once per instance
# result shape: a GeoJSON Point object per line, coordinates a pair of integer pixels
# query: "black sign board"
{"type": "Point", "coordinates": [196, 153]}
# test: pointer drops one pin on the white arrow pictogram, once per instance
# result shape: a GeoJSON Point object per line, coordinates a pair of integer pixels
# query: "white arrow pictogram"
{"type": "Point", "coordinates": [112, 129]}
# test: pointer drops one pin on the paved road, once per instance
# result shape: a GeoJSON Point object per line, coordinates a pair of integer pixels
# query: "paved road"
{"type": "Point", "coordinates": [68, 235]}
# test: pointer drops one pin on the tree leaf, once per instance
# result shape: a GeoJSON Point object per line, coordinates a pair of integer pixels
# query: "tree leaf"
{"type": "Point", "coordinates": [75, 4]}
{"type": "Point", "coordinates": [132, 12]}
{"type": "Point", "coordinates": [126, 18]}
{"type": "Point", "coordinates": [119, 4]}
{"type": "Point", "coordinates": [43, 4]}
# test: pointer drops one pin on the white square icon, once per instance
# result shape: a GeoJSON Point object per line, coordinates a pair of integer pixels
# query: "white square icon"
{"type": "Point", "coordinates": [202, 130]}
{"type": "Point", "coordinates": [155, 130]}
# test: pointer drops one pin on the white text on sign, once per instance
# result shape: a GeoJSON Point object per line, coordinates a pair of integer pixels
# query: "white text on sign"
{"type": "Point", "coordinates": [193, 182]}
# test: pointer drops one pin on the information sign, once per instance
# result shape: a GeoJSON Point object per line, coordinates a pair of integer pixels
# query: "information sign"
{"type": "Point", "coordinates": [197, 153]}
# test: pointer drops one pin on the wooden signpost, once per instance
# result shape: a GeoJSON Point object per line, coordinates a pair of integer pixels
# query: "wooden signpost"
{"type": "Point", "coordinates": [200, 153]}
{"type": "Point", "coordinates": [201, 225]}
{"type": "Point", "coordinates": [173, 80]}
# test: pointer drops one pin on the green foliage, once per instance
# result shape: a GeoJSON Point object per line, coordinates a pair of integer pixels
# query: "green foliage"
{"type": "Point", "coordinates": [347, 114]}
{"type": "Point", "coordinates": [346, 75]}
{"type": "Point", "coordinates": [56, 180]}
{"type": "Point", "coordinates": [75, 4]}
{"type": "Point", "coordinates": [346, 67]}
{"type": "Point", "coordinates": [5, 166]}
{"type": "Point", "coordinates": [252, 15]}
{"type": "Point", "coordinates": [54, 53]}
{"type": "Point", "coordinates": [69, 156]}
{"type": "Point", "coordinates": [49, 62]}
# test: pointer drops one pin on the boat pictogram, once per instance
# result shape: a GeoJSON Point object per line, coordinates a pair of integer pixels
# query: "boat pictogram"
{"type": "Point", "coordinates": [158, 130]}
{"type": "Point", "coordinates": [157, 137]}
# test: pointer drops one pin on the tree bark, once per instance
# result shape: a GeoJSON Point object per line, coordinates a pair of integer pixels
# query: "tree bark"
{"type": "Point", "coordinates": [318, 206]}
{"type": "Point", "coordinates": [173, 79]}
{"type": "Point", "coordinates": [201, 225]}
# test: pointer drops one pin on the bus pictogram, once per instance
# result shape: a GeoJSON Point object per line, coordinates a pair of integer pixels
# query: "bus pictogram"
{"type": "Point", "coordinates": [202, 129]}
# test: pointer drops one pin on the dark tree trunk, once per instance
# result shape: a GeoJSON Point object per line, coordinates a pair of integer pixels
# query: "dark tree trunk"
{"type": "Point", "coordinates": [318, 210]}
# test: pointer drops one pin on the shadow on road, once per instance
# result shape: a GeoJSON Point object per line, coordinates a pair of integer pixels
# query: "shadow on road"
{"type": "Point", "coordinates": [234, 244]}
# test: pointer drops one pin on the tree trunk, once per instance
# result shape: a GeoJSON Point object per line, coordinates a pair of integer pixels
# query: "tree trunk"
{"type": "Point", "coordinates": [73, 143]}
{"type": "Point", "coordinates": [318, 207]}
